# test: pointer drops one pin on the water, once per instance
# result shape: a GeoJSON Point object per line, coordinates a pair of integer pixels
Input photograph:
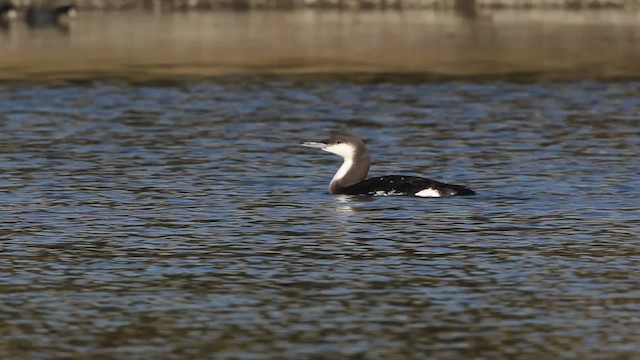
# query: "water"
{"type": "Point", "coordinates": [184, 222]}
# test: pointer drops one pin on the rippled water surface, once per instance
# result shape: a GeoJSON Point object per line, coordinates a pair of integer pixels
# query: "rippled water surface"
{"type": "Point", "coordinates": [184, 222]}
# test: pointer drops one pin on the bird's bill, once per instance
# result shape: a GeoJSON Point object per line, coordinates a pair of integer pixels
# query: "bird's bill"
{"type": "Point", "coordinates": [313, 144]}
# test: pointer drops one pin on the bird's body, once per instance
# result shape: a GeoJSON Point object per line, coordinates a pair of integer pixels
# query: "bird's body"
{"type": "Point", "coordinates": [7, 13]}
{"type": "Point", "coordinates": [404, 185]}
{"type": "Point", "coordinates": [350, 178]}
{"type": "Point", "coordinates": [41, 17]}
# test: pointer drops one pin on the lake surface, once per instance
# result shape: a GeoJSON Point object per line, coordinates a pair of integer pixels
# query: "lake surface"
{"type": "Point", "coordinates": [183, 222]}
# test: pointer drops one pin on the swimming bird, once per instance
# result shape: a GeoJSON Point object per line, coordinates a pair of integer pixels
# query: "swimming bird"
{"type": "Point", "coordinates": [38, 17]}
{"type": "Point", "coordinates": [7, 13]}
{"type": "Point", "coordinates": [350, 178]}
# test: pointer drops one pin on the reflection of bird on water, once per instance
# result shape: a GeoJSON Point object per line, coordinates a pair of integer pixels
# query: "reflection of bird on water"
{"type": "Point", "coordinates": [7, 13]}
{"type": "Point", "coordinates": [58, 16]}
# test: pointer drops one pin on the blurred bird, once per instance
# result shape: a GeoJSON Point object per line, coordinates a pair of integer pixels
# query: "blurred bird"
{"type": "Point", "coordinates": [8, 12]}
{"type": "Point", "coordinates": [38, 17]}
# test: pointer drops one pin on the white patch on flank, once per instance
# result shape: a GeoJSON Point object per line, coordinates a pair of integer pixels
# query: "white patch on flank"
{"type": "Point", "coordinates": [428, 192]}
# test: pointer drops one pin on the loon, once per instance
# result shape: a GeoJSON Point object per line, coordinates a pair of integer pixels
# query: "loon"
{"type": "Point", "coordinates": [7, 13]}
{"type": "Point", "coordinates": [40, 17]}
{"type": "Point", "coordinates": [350, 178]}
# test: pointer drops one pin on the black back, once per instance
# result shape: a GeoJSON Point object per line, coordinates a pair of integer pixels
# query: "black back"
{"type": "Point", "coordinates": [403, 185]}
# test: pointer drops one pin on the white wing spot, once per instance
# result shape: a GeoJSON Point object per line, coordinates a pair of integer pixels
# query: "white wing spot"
{"type": "Point", "coordinates": [428, 192]}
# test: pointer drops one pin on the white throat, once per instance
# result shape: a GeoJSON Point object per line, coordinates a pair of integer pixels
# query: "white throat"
{"type": "Point", "coordinates": [343, 170]}
{"type": "Point", "coordinates": [346, 152]}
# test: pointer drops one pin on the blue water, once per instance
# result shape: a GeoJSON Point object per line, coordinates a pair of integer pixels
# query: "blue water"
{"type": "Point", "coordinates": [183, 221]}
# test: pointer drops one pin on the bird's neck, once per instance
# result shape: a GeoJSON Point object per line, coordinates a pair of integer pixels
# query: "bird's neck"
{"type": "Point", "coordinates": [352, 171]}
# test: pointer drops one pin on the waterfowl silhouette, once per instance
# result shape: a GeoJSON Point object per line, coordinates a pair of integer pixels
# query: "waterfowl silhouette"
{"type": "Point", "coordinates": [41, 17]}
{"type": "Point", "coordinates": [7, 14]}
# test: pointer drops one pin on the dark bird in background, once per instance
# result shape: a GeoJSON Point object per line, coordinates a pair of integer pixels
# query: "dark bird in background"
{"type": "Point", "coordinates": [7, 13]}
{"type": "Point", "coordinates": [39, 17]}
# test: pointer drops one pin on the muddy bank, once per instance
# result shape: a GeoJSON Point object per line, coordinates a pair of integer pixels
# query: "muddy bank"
{"type": "Point", "coordinates": [372, 46]}
{"type": "Point", "coordinates": [167, 5]}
